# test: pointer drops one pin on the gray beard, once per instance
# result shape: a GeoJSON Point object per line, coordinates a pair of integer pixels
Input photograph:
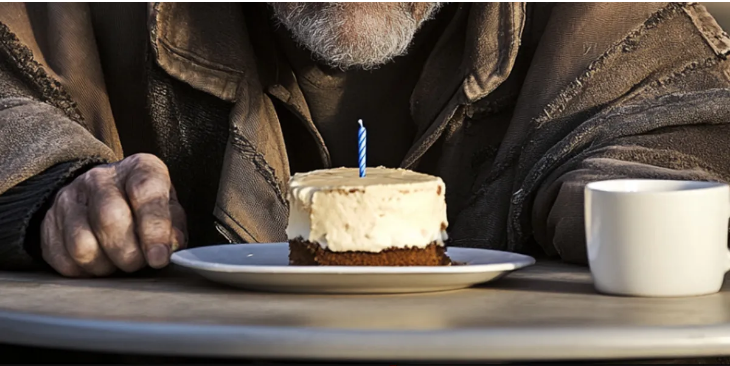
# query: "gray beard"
{"type": "Point", "coordinates": [360, 41]}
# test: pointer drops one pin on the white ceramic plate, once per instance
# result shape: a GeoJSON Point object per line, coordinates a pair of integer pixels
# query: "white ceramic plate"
{"type": "Point", "coordinates": [265, 267]}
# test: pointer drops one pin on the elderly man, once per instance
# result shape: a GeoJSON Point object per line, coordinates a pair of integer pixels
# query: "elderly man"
{"type": "Point", "coordinates": [118, 120]}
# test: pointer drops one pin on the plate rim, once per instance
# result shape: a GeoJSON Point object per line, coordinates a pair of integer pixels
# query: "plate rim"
{"type": "Point", "coordinates": [520, 261]}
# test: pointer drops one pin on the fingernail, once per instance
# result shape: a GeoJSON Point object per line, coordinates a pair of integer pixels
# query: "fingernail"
{"type": "Point", "coordinates": [175, 241]}
{"type": "Point", "coordinates": [158, 256]}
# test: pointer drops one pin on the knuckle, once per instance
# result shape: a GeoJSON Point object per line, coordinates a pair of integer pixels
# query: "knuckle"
{"type": "Point", "coordinates": [125, 254]}
{"type": "Point", "coordinates": [155, 223]}
{"type": "Point", "coordinates": [146, 160]}
{"type": "Point", "coordinates": [149, 158]}
{"type": "Point", "coordinates": [155, 231]}
{"type": "Point", "coordinates": [82, 250]}
{"type": "Point", "coordinates": [132, 160]}
{"type": "Point", "coordinates": [147, 188]}
{"type": "Point", "coordinates": [113, 214]}
{"type": "Point", "coordinates": [65, 196]}
{"type": "Point", "coordinates": [96, 175]}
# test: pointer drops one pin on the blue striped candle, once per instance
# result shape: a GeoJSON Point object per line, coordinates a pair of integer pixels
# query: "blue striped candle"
{"type": "Point", "coordinates": [362, 141]}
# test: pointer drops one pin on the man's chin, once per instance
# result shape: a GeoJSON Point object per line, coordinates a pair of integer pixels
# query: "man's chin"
{"type": "Point", "coordinates": [363, 59]}
{"type": "Point", "coordinates": [354, 36]}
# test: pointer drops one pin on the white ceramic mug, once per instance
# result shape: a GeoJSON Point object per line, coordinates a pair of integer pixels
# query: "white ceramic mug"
{"type": "Point", "coordinates": [657, 237]}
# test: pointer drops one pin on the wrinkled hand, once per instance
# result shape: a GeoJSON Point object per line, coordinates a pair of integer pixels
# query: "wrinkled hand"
{"type": "Point", "coordinates": [118, 216]}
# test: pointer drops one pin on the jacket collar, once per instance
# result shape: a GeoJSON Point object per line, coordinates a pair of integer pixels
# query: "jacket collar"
{"type": "Point", "coordinates": [202, 44]}
{"type": "Point", "coordinates": [208, 47]}
{"type": "Point", "coordinates": [472, 58]}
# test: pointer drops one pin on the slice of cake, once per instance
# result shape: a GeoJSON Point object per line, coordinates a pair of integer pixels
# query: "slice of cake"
{"type": "Point", "coordinates": [391, 217]}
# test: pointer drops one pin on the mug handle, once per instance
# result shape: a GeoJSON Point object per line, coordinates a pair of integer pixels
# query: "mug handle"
{"type": "Point", "coordinates": [727, 254]}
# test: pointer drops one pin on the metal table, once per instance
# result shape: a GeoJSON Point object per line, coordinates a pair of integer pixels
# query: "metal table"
{"type": "Point", "coordinates": [546, 312]}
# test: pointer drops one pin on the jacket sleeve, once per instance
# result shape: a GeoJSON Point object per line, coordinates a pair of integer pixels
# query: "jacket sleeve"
{"type": "Point", "coordinates": [697, 151]}
{"type": "Point", "coordinates": [41, 148]}
{"type": "Point", "coordinates": [22, 209]}
{"type": "Point", "coordinates": [672, 121]}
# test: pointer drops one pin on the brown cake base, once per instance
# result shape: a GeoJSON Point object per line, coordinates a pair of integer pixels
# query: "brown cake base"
{"type": "Point", "coordinates": [304, 253]}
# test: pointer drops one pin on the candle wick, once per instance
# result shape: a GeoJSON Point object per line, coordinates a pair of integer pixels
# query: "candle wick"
{"type": "Point", "coordinates": [360, 122]}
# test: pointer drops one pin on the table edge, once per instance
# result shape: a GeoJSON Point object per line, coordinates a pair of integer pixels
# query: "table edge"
{"type": "Point", "coordinates": [489, 344]}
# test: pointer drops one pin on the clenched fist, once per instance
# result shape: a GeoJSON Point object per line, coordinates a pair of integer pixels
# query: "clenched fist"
{"type": "Point", "coordinates": [118, 216]}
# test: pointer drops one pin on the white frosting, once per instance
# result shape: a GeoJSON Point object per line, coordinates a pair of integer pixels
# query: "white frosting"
{"type": "Point", "coordinates": [388, 208]}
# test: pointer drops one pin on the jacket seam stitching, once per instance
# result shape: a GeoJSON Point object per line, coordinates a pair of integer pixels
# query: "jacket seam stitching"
{"type": "Point", "coordinates": [553, 108]}
{"type": "Point", "coordinates": [515, 233]}
{"type": "Point", "coordinates": [692, 67]}
{"type": "Point", "coordinates": [158, 29]}
{"type": "Point", "coordinates": [685, 158]}
{"type": "Point", "coordinates": [247, 149]}
{"type": "Point", "coordinates": [196, 59]}
{"type": "Point", "coordinates": [51, 90]}
{"type": "Point", "coordinates": [230, 217]}
{"type": "Point", "coordinates": [715, 37]}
